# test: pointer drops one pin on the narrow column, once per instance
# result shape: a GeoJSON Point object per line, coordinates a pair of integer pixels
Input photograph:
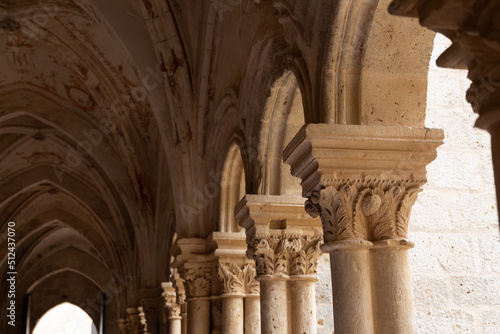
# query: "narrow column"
{"type": "Point", "coordinates": [181, 298]}
{"type": "Point", "coordinates": [352, 299]}
{"type": "Point", "coordinates": [237, 281]}
{"type": "Point", "coordinates": [252, 314]}
{"type": "Point", "coordinates": [184, 318]}
{"type": "Point", "coordinates": [198, 310]}
{"type": "Point", "coordinates": [393, 294]}
{"type": "Point", "coordinates": [273, 304]}
{"type": "Point", "coordinates": [198, 282]}
{"type": "Point", "coordinates": [173, 307]}
{"type": "Point", "coordinates": [134, 321]}
{"type": "Point", "coordinates": [303, 296]}
{"type": "Point", "coordinates": [304, 256]}
{"type": "Point", "coordinates": [232, 314]}
{"type": "Point", "coordinates": [123, 326]}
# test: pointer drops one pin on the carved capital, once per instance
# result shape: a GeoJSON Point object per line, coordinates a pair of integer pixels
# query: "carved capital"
{"type": "Point", "coordinates": [143, 320]}
{"type": "Point", "coordinates": [285, 256]}
{"type": "Point", "coordinates": [237, 280]}
{"type": "Point", "coordinates": [364, 209]}
{"type": "Point", "coordinates": [123, 326]}
{"type": "Point", "coordinates": [472, 27]}
{"type": "Point", "coordinates": [198, 281]}
{"type": "Point", "coordinates": [362, 180]}
{"type": "Point", "coordinates": [134, 321]}
{"type": "Point", "coordinates": [171, 301]}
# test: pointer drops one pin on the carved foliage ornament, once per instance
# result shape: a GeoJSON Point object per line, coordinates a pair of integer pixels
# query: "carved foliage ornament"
{"type": "Point", "coordinates": [135, 324]}
{"type": "Point", "coordinates": [144, 323]}
{"type": "Point", "coordinates": [181, 292]}
{"type": "Point", "coordinates": [287, 255]}
{"type": "Point", "coordinates": [198, 282]}
{"type": "Point", "coordinates": [173, 307]}
{"type": "Point", "coordinates": [364, 210]}
{"type": "Point", "coordinates": [236, 280]}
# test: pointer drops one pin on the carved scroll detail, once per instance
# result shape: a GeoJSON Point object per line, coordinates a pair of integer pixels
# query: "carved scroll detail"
{"type": "Point", "coordinates": [287, 255]}
{"type": "Point", "coordinates": [364, 210]}
{"type": "Point", "coordinates": [198, 282]}
{"type": "Point", "coordinates": [236, 280]}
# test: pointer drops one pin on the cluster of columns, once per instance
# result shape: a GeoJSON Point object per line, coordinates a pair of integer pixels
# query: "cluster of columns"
{"type": "Point", "coordinates": [284, 242]}
{"type": "Point", "coordinates": [362, 181]}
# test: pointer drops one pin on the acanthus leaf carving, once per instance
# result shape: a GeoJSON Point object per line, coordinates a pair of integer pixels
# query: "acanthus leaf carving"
{"type": "Point", "coordinates": [236, 280]}
{"type": "Point", "coordinates": [305, 259]}
{"type": "Point", "coordinates": [171, 302]}
{"type": "Point", "coordinates": [338, 213]}
{"type": "Point", "coordinates": [365, 209]}
{"type": "Point", "coordinates": [198, 282]}
{"type": "Point", "coordinates": [287, 255]}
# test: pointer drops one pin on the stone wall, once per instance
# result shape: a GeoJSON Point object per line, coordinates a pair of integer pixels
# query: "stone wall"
{"type": "Point", "coordinates": [456, 260]}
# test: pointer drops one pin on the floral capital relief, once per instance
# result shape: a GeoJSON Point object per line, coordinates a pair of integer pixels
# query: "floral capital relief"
{"type": "Point", "coordinates": [198, 282]}
{"type": "Point", "coordinates": [286, 255]}
{"type": "Point", "coordinates": [173, 307]}
{"type": "Point", "coordinates": [135, 324]}
{"type": "Point", "coordinates": [364, 209]}
{"type": "Point", "coordinates": [237, 280]}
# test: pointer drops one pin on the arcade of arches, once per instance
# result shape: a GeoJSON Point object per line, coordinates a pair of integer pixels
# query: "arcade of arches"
{"type": "Point", "coordinates": [156, 155]}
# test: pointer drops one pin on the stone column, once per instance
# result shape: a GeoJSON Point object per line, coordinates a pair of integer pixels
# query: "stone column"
{"type": "Point", "coordinates": [362, 182]}
{"type": "Point", "coordinates": [237, 277]}
{"type": "Point", "coordinates": [198, 282]}
{"type": "Point", "coordinates": [391, 272]}
{"type": "Point", "coordinates": [471, 25]}
{"type": "Point", "coordinates": [252, 313]}
{"type": "Point", "coordinates": [284, 241]}
{"type": "Point", "coordinates": [173, 308]}
{"type": "Point", "coordinates": [236, 283]}
{"type": "Point", "coordinates": [135, 325]}
{"type": "Point", "coordinates": [123, 326]}
{"type": "Point", "coordinates": [305, 255]}
{"type": "Point", "coordinates": [286, 270]}
{"type": "Point", "coordinates": [144, 322]}
{"type": "Point", "coordinates": [195, 262]}
{"type": "Point", "coordinates": [178, 284]}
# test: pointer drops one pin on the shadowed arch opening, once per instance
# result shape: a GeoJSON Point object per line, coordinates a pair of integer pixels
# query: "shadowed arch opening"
{"type": "Point", "coordinates": [65, 318]}
{"type": "Point", "coordinates": [283, 118]}
{"type": "Point", "coordinates": [232, 189]}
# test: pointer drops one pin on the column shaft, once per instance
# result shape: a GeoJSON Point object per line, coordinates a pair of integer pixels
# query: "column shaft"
{"type": "Point", "coordinates": [174, 325]}
{"type": "Point", "coordinates": [273, 305]}
{"type": "Point", "coordinates": [198, 316]}
{"type": "Point", "coordinates": [232, 315]}
{"type": "Point", "coordinates": [303, 295]}
{"type": "Point", "coordinates": [184, 318]}
{"type": "Point", "coordinates": [392, 291]}
{"type": "Point", "coordinates": [352, 300]}
{"type": "Point", "coordinates": [252, 315]}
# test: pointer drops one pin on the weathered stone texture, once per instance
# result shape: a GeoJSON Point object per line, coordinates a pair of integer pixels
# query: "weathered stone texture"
{"type": "Point", "coordinates": [456, 260]}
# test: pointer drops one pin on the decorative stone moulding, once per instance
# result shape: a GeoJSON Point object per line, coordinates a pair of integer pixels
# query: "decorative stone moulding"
{"type": "Point", "coordinates": [196, 264]}
{"type": "Point", "coordinates": [236, 272]}
{"type": "Point", "coordinates": [362, 180]}
{"type": "Point", "coordinates": [171, 301]}
{"type": "Point", "coordinates": [134, 321]}
{"type": "Point", "coordinates": [282, 239]}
